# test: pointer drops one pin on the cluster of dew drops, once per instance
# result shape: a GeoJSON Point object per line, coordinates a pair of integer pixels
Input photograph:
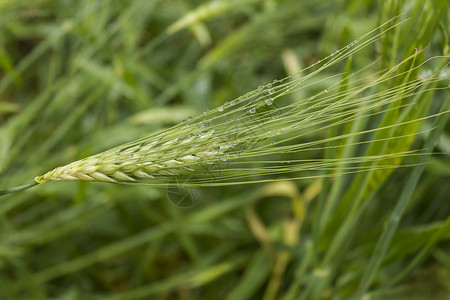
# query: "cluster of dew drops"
{"type": "Point", "coordinates": [268, 93]}
{"type": "Point", "coordinates": [270, 88]}
{"type": "Point", "coordinates": [265, 93]}
{"type": "Point", "coordinates": [268, 100]}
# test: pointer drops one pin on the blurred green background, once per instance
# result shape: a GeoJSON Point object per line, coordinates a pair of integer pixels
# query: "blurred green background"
{"type": "Point", "coordinates": [78, 77]}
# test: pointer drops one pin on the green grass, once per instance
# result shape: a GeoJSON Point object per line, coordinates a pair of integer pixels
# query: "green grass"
{"type": "Point", "coordinates": [80, 78]}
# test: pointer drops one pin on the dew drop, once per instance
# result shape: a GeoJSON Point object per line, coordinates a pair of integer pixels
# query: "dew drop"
{"type": "Point", "coordinates": [232, 103]}
{"type": "Point", "coordinates": [261, 87]}
{"type": "Point", "coordinates": [269, 101]}
{"type": "Point", "coordinates": [326, 91]}
{"type": "Point", "coordinates": [225, 158]}
{"type": "Point", "coordinates": [190, 118]}
{"type": "Point", "coordinates": [269, 85]}
{"type": "Point", "coordinates": [206, 111]}
{"type": "Point", "coordinates": [271, 91]}
{"type": "Point", "coordinates": [253, 110]}
{"type": "Point", "coordinates": [220, 108]}
{"type": "Point", "coordinates": [275, 81]}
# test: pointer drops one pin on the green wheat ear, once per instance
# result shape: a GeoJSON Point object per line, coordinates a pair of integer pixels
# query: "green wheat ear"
{"type": "Point", "coordinates": [235, 143]}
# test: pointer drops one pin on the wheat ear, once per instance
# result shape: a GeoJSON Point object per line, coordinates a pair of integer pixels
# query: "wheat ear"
{"type": "Point", "coordinates": [240, 129]}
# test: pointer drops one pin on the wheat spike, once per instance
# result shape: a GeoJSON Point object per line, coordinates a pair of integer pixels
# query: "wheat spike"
{"type": "Point", "coordinates": [234, 131]}
{"type": "Point", "coordinates": [238, 132]}
{"type": "Point", "coordinates": [143, 160]}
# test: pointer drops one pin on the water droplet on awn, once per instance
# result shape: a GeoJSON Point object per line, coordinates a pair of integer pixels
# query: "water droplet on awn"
{"type": "Point", "coordinates": [269, 101]}
{"type": "Point", "coordinates": [253, 110]}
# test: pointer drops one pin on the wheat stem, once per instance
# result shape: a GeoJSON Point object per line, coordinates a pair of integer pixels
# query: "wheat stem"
{"type": "Point", "coordinates": [18, 188]}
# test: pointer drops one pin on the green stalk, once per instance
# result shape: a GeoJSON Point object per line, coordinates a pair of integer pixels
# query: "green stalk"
{"type": "Point", "coordinates": [385, 239]}
{"type": "Point", "coordinates": [17, 188]}
{"type": "Point", "coordinates": [436, 237]}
